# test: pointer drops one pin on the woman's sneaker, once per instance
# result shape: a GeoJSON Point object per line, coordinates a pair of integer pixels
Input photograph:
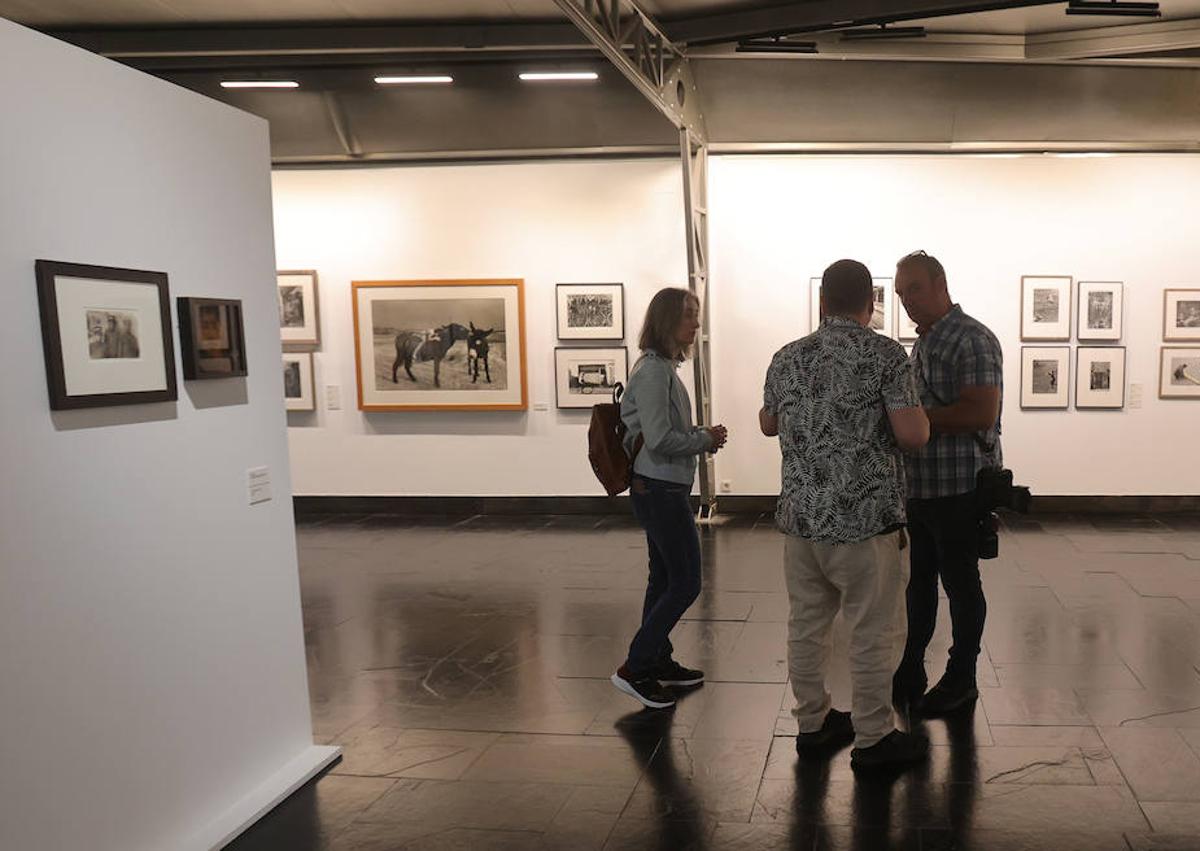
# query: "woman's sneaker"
{"type": "Point", "coordinates": [895, 749]}
{"type": "Point", "coordinates": [671, 673]}
{"type": "Point", "coordinates": [643, 689]}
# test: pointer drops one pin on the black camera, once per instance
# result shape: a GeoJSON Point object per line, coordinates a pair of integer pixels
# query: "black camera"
{"type": "Point", "coordinates": [994, 489]}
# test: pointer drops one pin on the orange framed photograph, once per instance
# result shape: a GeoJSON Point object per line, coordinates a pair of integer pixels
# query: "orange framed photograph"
{"type": "Point", "coordinates": [440, 345]}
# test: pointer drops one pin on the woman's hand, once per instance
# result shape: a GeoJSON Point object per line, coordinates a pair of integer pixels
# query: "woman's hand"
{"type": "Point", "coordinates": [719, 436]}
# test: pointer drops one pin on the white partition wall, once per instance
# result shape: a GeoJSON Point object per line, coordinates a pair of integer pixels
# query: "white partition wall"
{"type": "Point", "coordinates": [152, 676]}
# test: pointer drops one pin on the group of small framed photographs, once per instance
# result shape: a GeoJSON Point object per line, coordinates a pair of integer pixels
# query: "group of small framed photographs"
{"type": "Point", "coordinates": [300, 332]}
{"type": "Point", "coordinates": [1046, 316]}
{"type": "Point", "coordinates": [106, 336]}
{"type": "Point", "coordinates": [591, 313]}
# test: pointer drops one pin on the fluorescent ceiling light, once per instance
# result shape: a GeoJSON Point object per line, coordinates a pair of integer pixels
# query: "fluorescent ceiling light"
{"type": "Point", "coordinates": [549, 76]}
{"type": "Point", "coordinates": [414, 80]}
{"type": "Point", "coordinates": [259, 84]}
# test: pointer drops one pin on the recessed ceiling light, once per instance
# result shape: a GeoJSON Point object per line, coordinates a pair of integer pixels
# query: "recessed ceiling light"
{"type": "Point", "coordinates": [259, 84]}
{"type": "Point", "coordinates": [552, 76]}
{"type": "Point", "coordinates": [415, 80]}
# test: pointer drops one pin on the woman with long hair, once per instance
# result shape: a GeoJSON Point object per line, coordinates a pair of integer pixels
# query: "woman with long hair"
{"type": "Point", "coordinates": [665, 446]}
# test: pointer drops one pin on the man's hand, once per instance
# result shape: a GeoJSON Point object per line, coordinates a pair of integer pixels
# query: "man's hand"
{"type": "Point", "coordinates": [768, 423]}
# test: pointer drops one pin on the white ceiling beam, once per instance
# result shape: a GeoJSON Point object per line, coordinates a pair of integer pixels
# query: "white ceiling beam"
{"type": "Point", "coordinates": [1114, 41]}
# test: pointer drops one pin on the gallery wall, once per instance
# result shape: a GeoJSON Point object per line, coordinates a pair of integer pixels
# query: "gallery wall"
{"type": "Point", "coordinates": [775, 222]}
{"type": "Point", "coordinates": [152, 671]}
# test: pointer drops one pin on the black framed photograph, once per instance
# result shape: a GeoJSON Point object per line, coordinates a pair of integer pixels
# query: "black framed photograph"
{"type": "Point", "coordinates": [1099, 316]}
{"type": "Point", "coordinates": [212, 338]}
{"type": "Point", "coordinates": [591, 311]}
{"type": "Point", "coordinates": [588, 376]}
{"type": "Point", "coordinates": [1100, 377]}
{"type": "Point", "coordinates": [1045, 377]}
{"type": "Point", "coordinates": [299, 394]}
{"type": "Point", "coordinates": [106, 335]}
{"type": "Point", "coordinates": [299, 314]}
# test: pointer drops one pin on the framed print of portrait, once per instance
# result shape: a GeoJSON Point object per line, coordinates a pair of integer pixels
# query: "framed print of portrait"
{"type": "Point", "coordinates": [299, 394]}
{"type": "Point", "coordinates": [591, 311]}
{"type": "Point", "coordinates": [1181, 316]}
{"type": "Point", "coordinates": [299, 314]}
{"type": "Point", "coordinates": [1045, 376]}
{"type": "Point", "coordinates": [1179, 373]}
{"type": "Point", "coordinates": [587, 376]}
{"type": "Point", "coordinates": [1100, 311]}
{"type": "Point", "coordinates": [883, 299]}
{"type": "Point", "coordinates": [212, 338]}
{"type": "Point", "coordinates": [106, 335]}
{"type": "Point", "coordinates": [440, 345]}
{"type": "Point", "coordinates": [1100, 377]}
{"type": "Point", "coordinates": [1046, 308]}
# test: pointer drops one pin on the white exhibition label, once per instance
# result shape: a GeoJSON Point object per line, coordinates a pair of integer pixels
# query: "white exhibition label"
{"type": "Point", "coordinates": [258, 482]}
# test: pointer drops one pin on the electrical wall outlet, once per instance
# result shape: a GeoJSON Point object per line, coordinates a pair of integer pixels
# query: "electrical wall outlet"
{"type": "Point", "coordinates": [726, 486]}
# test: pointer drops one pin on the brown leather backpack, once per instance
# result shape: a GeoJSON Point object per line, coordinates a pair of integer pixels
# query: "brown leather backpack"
{"type": "Point", "coordinates": [606, 445]}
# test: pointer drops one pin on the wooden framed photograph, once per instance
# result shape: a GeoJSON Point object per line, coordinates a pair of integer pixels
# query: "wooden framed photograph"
{"type": "Point", "coordinates": [1100, 377]}
{"type": "Point", "coordinates": [1181, 316]}
{"type": "Point", "coordinates": [106, 335]}
{"type": "Point", "coordinates": [299, 393]}
{"type": "Point", "coordinates": [1179, 373]}
{"type": "Point", "coordinates": [884, 300]}
{"type": "Point", "coordinates": [1046, 308]}
{"type": "Point", "coordinates": [1045, 376]}
{"type": "Point", "coordinates": [212, 338]}
{"type": "Point", "coordinates": [587, 376]}
{"type": "Point", "coordinates": [299, 313]}
{"type": "Point", "coordinates": [591, 311]}
{"type": "Point", "coordinates": [906, 329]}
{"type": "Point", "coordinates": [1100, 313]}
{"type": "Point", "coordinates": [440, 345]}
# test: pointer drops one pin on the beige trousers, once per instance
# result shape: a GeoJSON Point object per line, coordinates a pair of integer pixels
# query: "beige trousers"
{"type": "Point", "coordinates": [867, 582]}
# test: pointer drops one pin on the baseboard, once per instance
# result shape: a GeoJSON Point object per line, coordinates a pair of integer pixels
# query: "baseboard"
{"type": "Point", "coordinates": [270, 794]}
{"type": "Point", "coordinates": [307, 507]}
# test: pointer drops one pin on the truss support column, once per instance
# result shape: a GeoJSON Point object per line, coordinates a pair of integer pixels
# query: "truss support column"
{"type": "Point", "coordinates": [694, 157]}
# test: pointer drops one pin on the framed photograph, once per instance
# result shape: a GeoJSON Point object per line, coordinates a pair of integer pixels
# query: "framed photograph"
{"type": "Point", "coordinates": [106, 335]}
{"type": "Point", "coordinates": [1100, 377]}
{"type": "Point", "coordinates": [881, 319]}
{"type": "Point", "coordinates": [1046, 308]}
{"type": "Point", "coordinates": [1100, 311]}
{"type": "Point", "coordinates": [212, 338]}
{"type": "Point", "coordinates": [588, 376]}
{"type": "Point", "coordinates": [906, 329]}
{"type": "Point", "coordinates": [1179, 373]}
{"type": "Point", "coordinates": [591, 311]}
{"type": "Point", "coordinates": [299, 315]}
{"type": "Point", "coordinates": [1045, 376]}
{"type": "Point", "coordinates": [299, 394]}
{"type": "Point", "coordinates": [1181, 316]}
{"type": "Point", "coordinates": [440, 345]}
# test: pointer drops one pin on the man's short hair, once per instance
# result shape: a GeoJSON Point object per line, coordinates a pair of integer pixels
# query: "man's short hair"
{"type": "Point", "coordinates": [846, 289]}
{"type": "Point", "coordinates": [928, 262]}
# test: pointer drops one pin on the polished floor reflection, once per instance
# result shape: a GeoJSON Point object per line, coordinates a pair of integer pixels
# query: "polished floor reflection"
{"type": "Point", "coordinates": [463, 664]}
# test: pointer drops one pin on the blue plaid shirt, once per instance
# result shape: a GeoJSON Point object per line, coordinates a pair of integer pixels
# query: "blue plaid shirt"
{"type": "Point", "coordinates": [956, 352]}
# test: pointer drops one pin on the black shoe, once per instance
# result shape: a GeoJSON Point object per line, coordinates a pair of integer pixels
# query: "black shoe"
{"type": "Point", "coordinates": [671, 673]}
{"type": "Point", "coordinates": [949, 695]}
{"type": "Point", "coordinates": [907, 693]}
{"type": "Point", "coordinates": [837, 731]}
{"type": "Point", "coordinates": [894, 749]}
{"type": "Point", "coordinates": [642, 688]}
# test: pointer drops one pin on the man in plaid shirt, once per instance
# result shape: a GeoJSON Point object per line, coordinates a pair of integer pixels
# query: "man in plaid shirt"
{"type": "Point", "coordinates": [959, 370]}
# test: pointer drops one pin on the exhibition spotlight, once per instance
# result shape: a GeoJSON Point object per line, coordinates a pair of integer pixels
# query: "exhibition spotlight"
{"type": "Point", "coordinates": [1118, 8]}
{"type": "Point", "coordinates": [778, 44]}
{"type": "Point", "coordinates": [557, 76]}
{"type": "Point", "coordinates": [415, 80]}
{"type": "Point", "coordinates": [882, 33]}
{"type": "Point", "coordinates": [259, 84]}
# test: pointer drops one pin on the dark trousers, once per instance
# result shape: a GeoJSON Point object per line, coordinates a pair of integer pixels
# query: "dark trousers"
{"type": "Point", "coordinates": [663, 510]}
{"type": "Point", "coordinates": [945, 546]}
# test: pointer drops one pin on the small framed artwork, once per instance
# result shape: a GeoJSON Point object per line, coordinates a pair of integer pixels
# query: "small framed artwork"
{"type": "Point", "coordinates": [106, 335]}
{"type": "Point", "coordinates": [299, 317]}
{"type": "Point", "coordinates": [1179, 373]}
{"type": "Point", "coordinates": [212, 338]}
{"type": "Point", "coordinates": [440, 345]}
{"type": "Point", "coordinates": [591, 311]}
{"type": "Point", "coordinates": [1181, 316]}
{"type": "Point", "coordinates": [1046, 308]}
{"type": "Point", "coordinates": [298, 391]}
{"type": "Point", "coordinates": [1100, 377]}
{"type": "Point", "coordinates": [1045, 376]}
{"type": "Point", "coordinates": [814, 304]}
{"type": "Point", "coordinates": [881, 317]}
{"type": "Point", "coordinates": [588, 376]}
{"type": "Point", "coordinates": [1099, 314]}
{"type": "Point", "coordinates": [906, 329]}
